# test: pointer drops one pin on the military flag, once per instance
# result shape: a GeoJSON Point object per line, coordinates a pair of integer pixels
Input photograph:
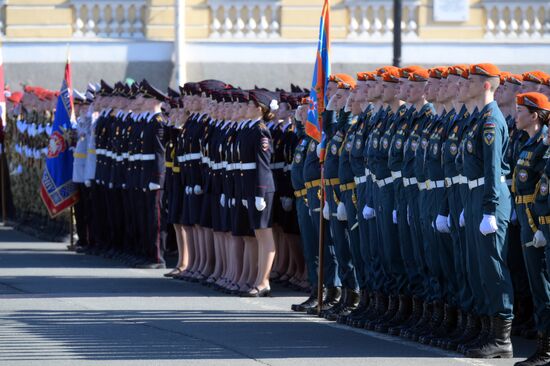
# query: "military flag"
{"type": "Point", "coordinates": [57, 189]}
{"type": "Point", "coordinates": [321, 73]}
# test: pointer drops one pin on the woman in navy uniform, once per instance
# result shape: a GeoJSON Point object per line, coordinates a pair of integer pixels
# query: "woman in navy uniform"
{"type": "Point", "coordinates": [258, 186]}
{"type": "Point", "coordinates": [530, 187]}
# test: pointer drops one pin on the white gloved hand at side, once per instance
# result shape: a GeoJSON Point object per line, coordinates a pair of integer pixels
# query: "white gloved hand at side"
{"type": "Point", "coordinates": [368, 213]}
{"type": "Point", "coordinates": [442, 224]}
{"type": "Point", "coordinates": [197, 190]}
{"type": "Point", "coordinates": [539, 240]}
{"type": "Point", "coordinates": [245, 203]}
{"type": "Point", "coordinates": [154, 186]}
{"type": "Point", "coordinates": [286, 202]}
{"type": "Point", "coordinates": [260, 203]}
{"type": "Point", "coordinates": [488, 225]}
{"type": "Point", "coordinates": [462, 220]}
{"type": "Point", "coordinates": [222, 200]}
{"type": "Point", "coordinates": [326, 211]}
{"type": "Point", "coordinates": [88, 183]}
{"type": "Point", "coordinates": [394, 216]}
{"type": "Point", "coordinates": [341, 213]}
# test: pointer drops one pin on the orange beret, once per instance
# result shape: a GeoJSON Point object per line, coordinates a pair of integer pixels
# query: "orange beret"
{"type": "Point", "coordinates": [438, 72]}
{"type": "Point", "coordinates": [404, 72]}
{"type": "Point", "coordinates": [504, 75]}
{"type": "Point", "coordinates": [305, 101]}
{"type": "Point", "coordinates": [515, 79]}
{"type": "Point", "coordinates": [458, 70]}
{"type": "Point", "coordinates": [345, 78]}
{"type": "Point", "coordinates": [362, 76]}
{"type": "Point", "coordinates": [391, 76]}
{"type": "Point", "coordinates": [534, 100]}
{"type": "Point", "coordinates": [536, 76]}
{"type": "Point", "coordinates": [419, 75]}
{"type": "Point", "coordinates": [344, 85]}
{"type": "Point", "coordinates": [15, 97]}
{"type": "Point", "coordinates": [488, 70]}
{"type": "Point", "coordinates": [381, 70]}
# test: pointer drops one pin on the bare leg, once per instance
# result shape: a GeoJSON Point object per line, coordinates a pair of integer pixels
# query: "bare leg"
{"type": "Point", "coordinates": [266, 254]}
{"type": "Point", "coordinates": [188, 253]}
{"type": "Point", "coordinates": [209, 259]}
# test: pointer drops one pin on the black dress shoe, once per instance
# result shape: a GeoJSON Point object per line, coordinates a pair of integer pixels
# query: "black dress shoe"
{"type": "Point", "coordinates": [256, 292]}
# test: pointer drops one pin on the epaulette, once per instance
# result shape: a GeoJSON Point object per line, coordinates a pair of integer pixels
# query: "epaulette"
{"type": "Point", "coordinates": [428, 112]}
{"type": "Point", "coordinates": [487, 114]}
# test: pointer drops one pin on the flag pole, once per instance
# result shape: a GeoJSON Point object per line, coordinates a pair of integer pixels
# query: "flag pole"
{"type": "Point", "coordinates": [71, 246]}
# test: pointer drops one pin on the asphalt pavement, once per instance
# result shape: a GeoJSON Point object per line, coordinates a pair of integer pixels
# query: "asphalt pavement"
{"type": "Point", "coordinates": [61, 308]}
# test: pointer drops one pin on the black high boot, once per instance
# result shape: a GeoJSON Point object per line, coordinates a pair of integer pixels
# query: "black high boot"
{"type": "Point", "coordinates": [461, 321]}
{"type": "Point", "coordinates": [498, 344]}
{"type": "Point", "coordinates": [425, 334]}
{"type": "Point", "coordinates": [352, 303]}
{"type": "Point", "coordinates": [401, 316]}
{"type": "Point", "coordinates": [312, 301]}
{"type": "Point", "coordinates": [391, 309]}
{"type": "Point", "coordinates": [411, 333]}
{"type": "Point", "coordinates": [362, 319]}
{"type": "Point", "coordinates": [541, 355]}
{"type": "Point", "coordinates": [471, 332]}
{"type": "Point", "coordinates": [483, 334]}
{"type": "Point", "coordinates": [332, 297]}
{"type": "Point", "coordinates": [336, 308]}
{"type": "Point", "coordinates": [447, 326]}
{"type": "Point", "coordinates": [416, 314]}
{"type": "Point", "coordinates": [363, 305]}
{"type": "Point", "coordinates": [379, 310]}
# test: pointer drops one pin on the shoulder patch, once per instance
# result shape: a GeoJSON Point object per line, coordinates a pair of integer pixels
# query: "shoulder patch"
{"type": "Point", "coordinates": [489, 137]}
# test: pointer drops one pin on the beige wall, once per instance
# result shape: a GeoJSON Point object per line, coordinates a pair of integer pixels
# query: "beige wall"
{"type": "Point", "coordinates": [299, 19]}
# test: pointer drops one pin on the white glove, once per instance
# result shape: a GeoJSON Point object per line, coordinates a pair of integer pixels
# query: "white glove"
{"type": "Point", "coordinates": [461, 220]}
{"type": "Point", "coordinates": [123, 185]}
{"type": "Point", "coordinates": [513, 216]}
{"type": "Point", "coordinates": [88, 183]}
{"type": "Point", "coordinates": [539, 240]}
{"type": "Point", "coordinates": [197, 190]}
{"type": "Point", "coordinates": [188, 190]}
{"type": "Point", "coordinates": [233, 202]}
{"type": "Point", "coordinates": [318, 150]}
{"type": "Point", "coordinates": [286, 202]}
{"type": "Point", "coordinates": [368, 213]}
{"type": "Point", "coordinates": [326, 211]}
{"type": "Point", "coordinates": [341, 213]}
{"type": "Point", "coordinates": [408, 215]}
{"type": "Point", "coordinates": [394, 216]}
{"type": "Point", "coordinates": [449, 221]}
{"type": "Point", "coordinates": [488, 225]}
{"type": "Point", "coordinates": [260, 203]}
{"type": "Point", "coordinates": [442, 224]}
{"type": "Point", "coordinates": [245, 203]}
{"type": "Point", "coordinates": [110, 185]}
{"type": "Point", "coordinates": [222, 200]}
{"type": "Point", "coordinates": [154, 186]}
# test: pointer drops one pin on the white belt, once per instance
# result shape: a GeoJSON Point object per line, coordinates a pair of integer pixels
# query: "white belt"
{"type": "Point", "coordinates": [248, 166]}
{"type": "Point", "coordinates": [287, 167]}
{"type": "Point", "coordinates": [431, 184]}
{"type": "Point", "coordinates": [147, 157]}
{"type": "Point", "coordinates": [99, 151]}
{"type": "Point", "coordinates": [451, 181]}
{"type": "Point", "coordinates": [194, 156]}
{"type": "Point", "coordinates": [137, 156]}
{"type": "Point", "coordinates": [130, 157]}
{"type": "Point", "coordinates": [205, 159]}
{"type": "Point", "coordinates": [125, 155]}
{"type": "Point", "coordinates": [217, 166]}
{"type": "Point", "coordinates": [181, 158]}
{"type": "Point", "coordinates": [422, 186]}
{"type": "Point", "coordinates": [230, 167]}
{"type": "Point", "coordinates": [359, 180]}
{"type": "Point", "coordinates": [462, 179]}
{"type": "Point", "coordinates": [367, 172]}
{"type": "Point", "coordinates": [279, 165]}
{"type": "Point", "coordinates": [409, 181]}
{"type": "Point", "coordinates": [382, 182]}
{"type": "Point", "coordinates": [224, 164]}
{"type": "Point", "coordinates": [119, 158]}
{"type": "Point", "coordinates": [396, 175]}
{"type": "Point", "coordinates": [481, 181]}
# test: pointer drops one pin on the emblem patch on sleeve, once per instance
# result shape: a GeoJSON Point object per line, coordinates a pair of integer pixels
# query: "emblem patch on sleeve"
{"type": "Point", "coordinates": [489, 137]}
